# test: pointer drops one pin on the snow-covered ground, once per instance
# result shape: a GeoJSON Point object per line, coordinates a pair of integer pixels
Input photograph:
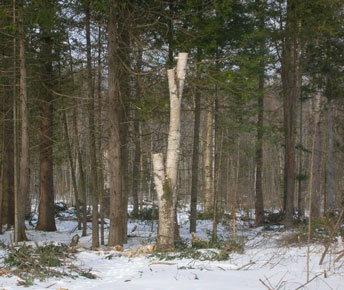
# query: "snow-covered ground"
{"type": "Point", "coordinates": [263, 265]}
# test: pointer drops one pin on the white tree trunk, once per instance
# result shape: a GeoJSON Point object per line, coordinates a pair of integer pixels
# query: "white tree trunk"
{"type": "Point", "coordinates": [208, 181]}
{"type": "Point", "coordinates": [166, 183]}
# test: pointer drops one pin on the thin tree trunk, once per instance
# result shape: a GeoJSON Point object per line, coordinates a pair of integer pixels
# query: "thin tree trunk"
{"type": "Point", "coordinates": [300, 200]}
{"type": "Point", "coordinates": [316, 160]}
{"type": "Point", "coordinates": [137, 136]}
{"type": "Point", "coordinates": [330, 163]}
{"type": "Point", "coordinates": [259, 200]}
{"type": "Point", "coordinates": [207, 162]}
{"type": "Point", "coordinates": [99, 143]}
{"type": "Point", "coordinates": [235, 191]}
{"type": "Point", "coordinates": [91, 123]}
{"type": "Point", "coordinates": [82, 175]}
{"type": "Point", "coordinates": [316, 109]}
{"type": "Point", "coordinates": [72, 168]}
{"type": "Point", "coordinates": [289, 84]}
{"type": "Point", "coordinates": [24, 182]}
{"type": "Point", "coordinates": [195, 162]}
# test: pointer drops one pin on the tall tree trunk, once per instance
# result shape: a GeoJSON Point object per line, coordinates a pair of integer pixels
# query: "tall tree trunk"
{"type": "Point", "coordinates": [99, 143]}
{"type": "Point", "coordinates": [289, 88]}
{"type": "Point", "coordinates": [83, 200]}
{"type": "Point", "coordinates": [72, 169]}
{"type": "Point", "coordinates": [330, 163]}
{"type": "Point", "coordinates": [259, 198]}
{"type": "Point", "coordinates": [24, 174]}
{"type": "Point", "coordinates": [82, 175]}
{"type": "Point", "coordinates": [316, 160]}
{"type": "Point", "coordinates": [92, 129]}
{"type": "Point", "coordinates": [195, 162]}
{"type": "Point", "coordinates": [46, 218]}
{"type": "Point", "coordinates": [207, 164]}
{"type": "Point", "coordinates": [300, 199]}
{"type": "Point", "coordinates": [259, 201]}
{"type": "Point", "coordinates": [8, 140]}
{"type": "Point", "coordinates": [116, 200]}
{"type": "Point", "coordinates": [7, 164]}
{"type": "Point", "coordinates": [137, 139]}
{"type": "Point", "coordinates": [166, 180]}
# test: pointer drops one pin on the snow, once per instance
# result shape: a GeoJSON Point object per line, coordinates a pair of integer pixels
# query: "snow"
{"type": "Point", "coordinates": [263, 262]}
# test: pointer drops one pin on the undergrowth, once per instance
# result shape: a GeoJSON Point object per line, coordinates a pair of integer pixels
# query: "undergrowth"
{"type": "Point", "coordinates": [218, 251]}
{"type": "Point", "coordinates": [42, 262]}
{"type": "Point", "coordinates": [320, 233]}
{"type": "Point", "coordinates": [145, 214]}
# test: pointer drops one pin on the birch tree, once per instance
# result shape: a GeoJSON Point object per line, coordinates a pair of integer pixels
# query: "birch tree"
{"type": "Point", "coordinates": [165, 177]}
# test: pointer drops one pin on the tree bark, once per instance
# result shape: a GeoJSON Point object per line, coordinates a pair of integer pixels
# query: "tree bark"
{"type": "Point", "coordinates": [46, 217]}
{"type": "Point", "coordinates": [92, 129]}
{"type": "Point", "coordinates": [289, 88]}
{"type": "Point", "coordinates": [166, 182]}
{"type": "Point", "coordinates": [195, 162]}
{"type": "Point", "coordinates": [116, 199]}
{"type": "Point", "coordinates": [259, 198]}
{"type": "Point", "coordinates": [207, 162]}
{"type": "Point", "coordinates": [24, 174]}
{"type": "Point", "coordinates": [137, 139]}
{"type": "Point", "coordinates": [72, 169]}
{"type": "Point", "coordinates": [330, 162]}
{"type": "Point", "coordinates": [316, 160]}
{"type": "Point", "coordinates": [82, 175]}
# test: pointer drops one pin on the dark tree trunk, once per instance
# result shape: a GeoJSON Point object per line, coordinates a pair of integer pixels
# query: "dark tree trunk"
{"type": "Point", "coordinates": [24, 174]}
{"type": "Point", "coordinates": [46, 218]}
{"type": "Point", "coordinates": [7, 164]}
{"type": "Point", "coordinates": [195, 162]}
{"type": "Point", "coordinates": [115, 170]}
{"type": "Point", "coordinates": [137, 157]}
{"type": "Point", "coordinates": [91, 124]}
{"type": "Point", "coordinates": [330, 162]}
{"type": "Point", "coordinates": [72, 168]}
{"type": "Point", "coordinates": [316, 179]}
{"type": "Point", "coordinates": [259, 202]}
{"type": "Point", "coordinates": [289, 88]}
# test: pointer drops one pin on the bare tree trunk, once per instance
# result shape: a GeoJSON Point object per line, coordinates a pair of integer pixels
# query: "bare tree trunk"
{"type": "Point", "coordinates": [99, 143]}
{"type": "Point", "coordinates": [24, 182]}
{"type": "Point", "coordinates": [116, 212]}
{"type": "Point", "coordinates": [82, 175]}
{"type": "Point", "coordinates": [195, 162]}
{"type": "Point", "coordinates": [330, 167]}
{"type": "Point", "coordinates": [166, 182]}
{"type": "Point", "coordinates": [207, 162]}
{"type": "Point", "coordinates": [235, 191]}
{"type": "Point", "coordinates": [289, 84]}
{"type": "Point", "coordinates": [9, 141]}
{"type": "Point", "coordinates": [137, 157]}
{"type": "Point", "coordinates": [312, 212]}
{"type": "Point", "coordinates": [82, 201]}
{"type": "Point", "coordinates": [259, 201]}
{"type": "Point", "coordinates": [91, 123]}
{"type": "Point", "coordinates": [300, 198]}
{"type": "Point", "coordinates": [72, 168]}
{"type": "Point", "coordinates": [316, 160]}
{"type": "Point", "coordinates": [46, 218]}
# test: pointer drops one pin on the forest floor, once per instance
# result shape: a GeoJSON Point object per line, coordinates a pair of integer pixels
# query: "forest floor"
{"type": "Point", "coordinates": [261, 258]}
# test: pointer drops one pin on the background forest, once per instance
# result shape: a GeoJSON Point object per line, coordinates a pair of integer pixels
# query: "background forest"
{"type": "Point", "coordinates": [85, 103]}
